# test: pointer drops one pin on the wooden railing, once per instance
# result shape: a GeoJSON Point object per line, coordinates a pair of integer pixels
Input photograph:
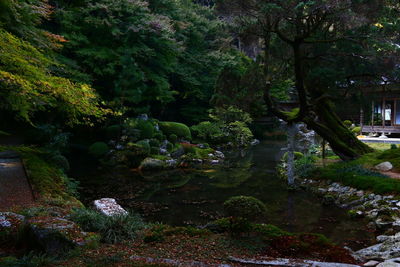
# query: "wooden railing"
{"type": "Point", "coordinates": [380, 129]}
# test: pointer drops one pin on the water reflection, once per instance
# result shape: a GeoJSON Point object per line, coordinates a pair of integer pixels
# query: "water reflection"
{"type": "Point", "coordinates": [196, 196]}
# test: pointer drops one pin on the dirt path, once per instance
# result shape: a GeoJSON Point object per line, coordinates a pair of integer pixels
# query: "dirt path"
{"type": "Point", "coordinates": [15, 189]}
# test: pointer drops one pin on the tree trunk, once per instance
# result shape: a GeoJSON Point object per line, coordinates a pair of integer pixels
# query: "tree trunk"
{"type": "Point", "coordinates": [329, 126]}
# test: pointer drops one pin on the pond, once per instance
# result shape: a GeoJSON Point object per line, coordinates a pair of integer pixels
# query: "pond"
{"type": "Point", "coordinates": [195, 197]}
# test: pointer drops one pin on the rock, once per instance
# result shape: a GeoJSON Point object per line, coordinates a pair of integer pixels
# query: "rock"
{"type": "Point", "coordinates": [163, 151]}
{"type": "Point", "coordinates": [388, 264]}
{"type": "Point", "coordinates": [371, 263]}
{"type": "Point", "coordinates": [219, 154]}
{"type": "Point", "coordinates": [386, 250]}
{"type": "Point", "coordinates": [10, 220]}
{"type": "Point", "coordinates": [384, 166]}
{"type": "Point", "coordinates": [143, 117]}
{"type": "Point", "coordinates": [382, 238]}
{"type": "Point", "coordinates": [109, 207]}
{"type": "Point", "coordinates": [171, 163]}
{"type": "Point", "coordinates": [215, 161]}
{"type": "Point", "coordinates": [56, 235]}
{"type": "Point", "coordinates": [178, 153]}
{"type": "Point", "coordinates": [152, 164]}
{"type": "Point", "coordinates": [255, 142]}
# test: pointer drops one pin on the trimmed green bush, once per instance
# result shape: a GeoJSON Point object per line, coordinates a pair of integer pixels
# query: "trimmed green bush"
{"type": "Point", "coordinates": [347, 123]}
{"type": "Point", "coordinates": [208, 131]}
{"type": "Point", "coordinates": [159, 136]}
{"type": "Point", "coordinates": [113, 131]}
{"type": "Point", "coordinates": [393, 146]}
{"type": "Point", "coordinates": [297, 155]}
{"type": "Point", "coordinates": [146, 129]}
{"type": "Point", "coordinates": [145, 145]}
{"type": "Point", "coordinates": [356, 130]}
{"type": "Point", "coordinates": [98, 149]}
{"type": "Point", "coordinates": [60, 161]}
{"type": "Point", "coordinates": [154, 143]}
{"type": "Point", "coordinates": [180, 129]}
{"type": "Point", "coordinates": [246, 207]}
{"type": "Point", "coordinates": [170, 147]}
{"type": "Point", "coordinates": [173, 138]}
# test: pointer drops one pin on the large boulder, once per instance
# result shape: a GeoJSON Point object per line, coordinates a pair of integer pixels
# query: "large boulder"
{"type": "Point", "coordinates": [388, 249]}
{"type": "Point", "coordinates": [109, 207]}
{"type": "Point", "coordinates": [384, 166]}
{"type": "Point", "coordinates": [152, 164]}
{"type": "Point", "coordinates": [56, 235]}
{"type": "Point", "coordinates": [10, 225]}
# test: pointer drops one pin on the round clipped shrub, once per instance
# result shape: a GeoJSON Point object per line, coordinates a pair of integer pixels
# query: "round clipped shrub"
{"type": "Point", "coordinates": [173, 138]}
{"type": "Point", "coordinates": [60, 161]}
{"type": "Point", "coordinates": [245, 207]}
{"type": "Point", "coordinates": [393, 146]}
{"type": "Point", "coordinates": [180, 129]}
{"type": "Point", "coordinates": [154, 143]}
{"type": "Point", "coordinates": [98, 149]}
{"type": "Point", "coordinates": [297, 155]}
{"type": "Point", "coordinates": [145, 145]}
{"type": "Point", "coordinates": [113, 131]}
{"type": "Point", "coordinates": [170, 146]}
{"type": "Point", "coordinates": [347, 123]}
{"type": "Point", "coordinates": [356, 130]}
{"type": "Point", "coordinates": [159, 136]}
{"type": "Point", "coordinates": [146, 129]}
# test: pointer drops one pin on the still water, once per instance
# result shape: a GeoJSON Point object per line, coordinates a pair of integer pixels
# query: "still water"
{"type": "Point", "coordinates": [195, 197]}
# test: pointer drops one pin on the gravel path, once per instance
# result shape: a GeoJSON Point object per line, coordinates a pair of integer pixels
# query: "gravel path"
{"type": "Point", "coordinates": [14, 186]}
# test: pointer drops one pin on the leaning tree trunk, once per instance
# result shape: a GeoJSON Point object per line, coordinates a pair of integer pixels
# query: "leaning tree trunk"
{"type": "Point", "coordinates": [291, 130]}
{"type": "Point", "coordinates": [329, 126]}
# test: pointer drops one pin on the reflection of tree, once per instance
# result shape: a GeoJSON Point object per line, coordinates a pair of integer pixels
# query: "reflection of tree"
{"type": "Point", "coordinates": [237, 173]}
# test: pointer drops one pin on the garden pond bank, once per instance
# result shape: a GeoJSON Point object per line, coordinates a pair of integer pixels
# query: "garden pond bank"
{"type": "Point", "coordinates": [195, 196]}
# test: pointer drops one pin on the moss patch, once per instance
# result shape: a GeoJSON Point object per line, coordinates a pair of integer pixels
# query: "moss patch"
{"type": "Point", "coordinates": [47, 180]}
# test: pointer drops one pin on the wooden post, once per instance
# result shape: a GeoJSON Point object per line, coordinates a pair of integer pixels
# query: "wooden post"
{"type": "Point", "coordinates": [362, 119]}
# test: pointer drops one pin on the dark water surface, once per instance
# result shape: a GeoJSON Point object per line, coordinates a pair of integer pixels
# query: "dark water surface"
{"type": "Point", "coordinates": [182, 197]}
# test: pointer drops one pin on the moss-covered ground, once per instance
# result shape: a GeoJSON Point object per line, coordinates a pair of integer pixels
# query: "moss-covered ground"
{"type": "Point", "coordinates": [360, 173]}
{"type": "Point", "coordinates": [49, 182]}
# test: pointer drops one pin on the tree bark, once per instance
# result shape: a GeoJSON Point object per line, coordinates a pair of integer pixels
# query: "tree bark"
{"type": "Point", "coordinates": [330, 127]}
{"type": "Point", "coordinates": [291, 136]}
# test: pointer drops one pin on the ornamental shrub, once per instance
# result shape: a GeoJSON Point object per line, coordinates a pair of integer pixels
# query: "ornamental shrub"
{"type": "Point", "coordinates": [145, 145]}
{"type": "Point", "coordinates": [173, 138]}
{"type": "Point", "coordinates": [297, 155]}
{"type": "Point", "coordinates": [180, 129]}
{"type": "Point", "coordinates": [98, 149]}
{"type": "Point", "coordinates": [245, 207]}
{"type": "Point", "coordinates": [208, 131]}
{"type": "Point", "coordinates": [347, 123]}
{"type": "Point", "coordinates": [356, 130]}
{"type": "Point", "coordinates": [393, 146]}
{"type": "Point", "coordinates": [113, 131]}
{"type": "Point", "coordinates": [146, 129]}
{"type": "Point", "coordinates": [154, 143]}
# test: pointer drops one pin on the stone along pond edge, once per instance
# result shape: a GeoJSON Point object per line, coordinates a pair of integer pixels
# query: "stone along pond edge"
{"type": "Point", "coordinates": [383, 213]}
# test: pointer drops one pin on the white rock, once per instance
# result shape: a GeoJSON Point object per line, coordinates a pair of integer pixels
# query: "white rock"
{"type": "Point", "coordinates": [219, 154]}
{"type": "Point", "coordinates": [388, 264]}
{"type": "Point", "coordinates": [109, 207]}
{"type": "Point", "coordinates": [384, 166]}
{"type": "Point", "coordinates": [371, 263]}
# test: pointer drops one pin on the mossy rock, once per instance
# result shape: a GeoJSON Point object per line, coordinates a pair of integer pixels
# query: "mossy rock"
{"type": "Point", "coordinates": [98, 149]}
{"type": "Point", "coordinates": [180, 129]}
{"type": "Point", "coordinates": [113, 131]}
